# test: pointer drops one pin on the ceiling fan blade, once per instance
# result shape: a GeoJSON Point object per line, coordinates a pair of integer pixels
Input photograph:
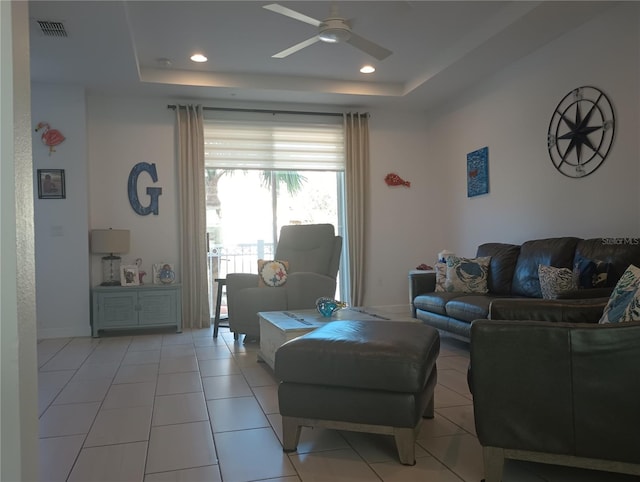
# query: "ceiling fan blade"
{"type": "Point", "coordinates": [296, 47]}
{"type": "Point", "coordinates": [274, 7]}
{"type": "Point", "coordinates": [367, 46]}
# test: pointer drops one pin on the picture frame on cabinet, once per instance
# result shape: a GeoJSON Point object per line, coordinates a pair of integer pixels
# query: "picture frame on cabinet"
{"type": "Point", "coordinates": [163, 273]}
{"type": "Point", "coordinates": [129, 275]}
{"type": "Point", "coordinates": [51, 184]}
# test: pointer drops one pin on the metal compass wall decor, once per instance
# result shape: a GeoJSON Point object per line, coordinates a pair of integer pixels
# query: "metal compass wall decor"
{"type": "Point", "coordinates": [581, 132]}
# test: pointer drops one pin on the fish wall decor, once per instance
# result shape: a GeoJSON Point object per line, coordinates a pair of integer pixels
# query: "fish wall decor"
{"type": "Point", "coordinates": [392, 179]}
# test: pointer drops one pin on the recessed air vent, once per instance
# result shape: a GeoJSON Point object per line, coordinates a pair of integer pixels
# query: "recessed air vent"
{"type": "Point", "coordinates": [52, 29]}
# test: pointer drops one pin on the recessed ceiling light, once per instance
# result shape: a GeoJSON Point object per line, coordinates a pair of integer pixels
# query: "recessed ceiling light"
{"type": "Point", "coordinates": [368, 69]}
{"type": "Point", "coordinates": [198, 58]}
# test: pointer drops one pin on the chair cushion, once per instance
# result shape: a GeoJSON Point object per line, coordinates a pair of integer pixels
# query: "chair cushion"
{"type": "Point", "coordinates": [307, 247]}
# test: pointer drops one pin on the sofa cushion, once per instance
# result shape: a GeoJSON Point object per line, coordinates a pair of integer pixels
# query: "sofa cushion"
{"type": "Point", "coordinates": [558, 252]}
{"type": "Point", "coordinates": [619, 253]}
{"type": "Point", "coordinates": [470, 307]}
{"type": "Point", "coordinates": [555, 281]}
{"type": "Point", "coordinates": [434, 302]}
{"type": "Point", "coordinates": [467, 275]}
{"type": "Point", "coordinates": [624, 303]}
{"type": "Point", "coordinates": [502, 266]}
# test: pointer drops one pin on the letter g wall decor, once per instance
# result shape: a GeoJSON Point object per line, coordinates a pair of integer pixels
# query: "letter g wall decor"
{"type": "Point", "coordinates": [153, 192]}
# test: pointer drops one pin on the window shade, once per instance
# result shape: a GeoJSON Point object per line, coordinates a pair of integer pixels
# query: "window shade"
{"type": "Point", "coordinates": [278, 145]}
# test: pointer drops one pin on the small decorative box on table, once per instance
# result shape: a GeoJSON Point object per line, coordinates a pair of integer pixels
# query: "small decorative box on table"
{"type": "Point", "coordinates": [134, 307]}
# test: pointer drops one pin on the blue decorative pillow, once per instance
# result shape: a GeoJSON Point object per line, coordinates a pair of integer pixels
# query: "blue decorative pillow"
{"type": "Point", "coordinates": [465, 275]}
{"type": "Point", "coordinates": [591, 273]}
{"type": "Point", "coordinates": [624, 303]}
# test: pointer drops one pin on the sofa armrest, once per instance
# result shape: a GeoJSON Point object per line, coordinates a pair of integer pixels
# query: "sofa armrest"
{"type": "Point", "coordinates": [238, 281]}
{"type": "Point", "coordinates": [568, 311]}
{"type": "Point", "coordinates": [520, 378]}
{"type": "Point", "coordinates": [420, 282]}
{"type": "Point", "coordinates": [559, 388]}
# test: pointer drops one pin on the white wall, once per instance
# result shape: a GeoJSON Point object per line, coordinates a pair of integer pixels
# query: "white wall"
{"type": "Point", "coordinates": [403, 229]}
{"type": "Point", "coordinates": [510, 114]}
{"type": "Point", "coordinates": [61, 225]}
{"type": "Point", "coordinates": [123, 132]}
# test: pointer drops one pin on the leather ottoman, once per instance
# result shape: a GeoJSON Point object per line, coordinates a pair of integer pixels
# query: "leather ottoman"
{"type": "Point", "coordinates": [365, 376]}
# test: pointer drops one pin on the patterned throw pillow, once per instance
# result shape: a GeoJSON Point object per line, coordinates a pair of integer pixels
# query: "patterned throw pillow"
{"type": "Point", "coordinates": [554, 281]}
{"type": "Point", "coordinates": [272, 273]}
{"type": "Point", "coordinates": [467, 275]}
{"type": "Point", "coordinates": [591, 273]}
{"type": "Point", "coordinates": [441, 276]}
{"type": "Point", "coordinates": [624, 303]}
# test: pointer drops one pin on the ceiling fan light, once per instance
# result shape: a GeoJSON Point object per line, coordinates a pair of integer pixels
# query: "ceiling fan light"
{"type": "Point", "coordinates": [334, 35]}
{"type": "Point", "coordinates": [367, 69]}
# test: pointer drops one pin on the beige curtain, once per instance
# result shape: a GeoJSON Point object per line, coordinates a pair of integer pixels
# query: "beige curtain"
{"type": "Point", "coordinates": [357, 187]}
{"type": "Point", "coordinates": [193, 249]}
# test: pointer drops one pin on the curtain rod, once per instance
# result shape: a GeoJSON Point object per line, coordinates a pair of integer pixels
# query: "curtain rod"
{"type": "Point", "coordinates": [266, 111]}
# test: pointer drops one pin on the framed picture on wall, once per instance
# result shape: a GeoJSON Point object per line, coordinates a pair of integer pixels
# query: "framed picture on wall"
{"type": "Point", "coordinates": [129, 275]}
{"type": "Point", "coordinates": [51, 184]}
{"type": "Point", "coordinates": [478, 172]}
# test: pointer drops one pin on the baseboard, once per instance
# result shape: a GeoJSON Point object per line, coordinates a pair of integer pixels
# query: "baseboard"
{"type": "Point", "coordinates": [63, 332]}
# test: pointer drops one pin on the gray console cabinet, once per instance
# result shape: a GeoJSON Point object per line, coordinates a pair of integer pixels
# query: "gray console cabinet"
{"type": "Point", "coordinates": [144, 306]}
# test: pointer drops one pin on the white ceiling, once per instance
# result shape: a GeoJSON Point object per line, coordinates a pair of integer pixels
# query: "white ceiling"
{"type": "Point", "coordinates": [438, 47]}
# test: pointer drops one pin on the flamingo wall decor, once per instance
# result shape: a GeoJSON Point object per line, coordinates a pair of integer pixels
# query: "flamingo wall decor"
{"type": "Point", "coordinates": [50, 137]}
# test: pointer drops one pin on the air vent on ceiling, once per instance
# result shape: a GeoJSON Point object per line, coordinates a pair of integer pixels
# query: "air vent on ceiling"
{"type": "Point", "coordinates": [52, 29]}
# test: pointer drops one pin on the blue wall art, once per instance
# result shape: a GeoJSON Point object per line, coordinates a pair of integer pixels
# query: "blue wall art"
{"type": "Point", "coordinates": [478, 172]}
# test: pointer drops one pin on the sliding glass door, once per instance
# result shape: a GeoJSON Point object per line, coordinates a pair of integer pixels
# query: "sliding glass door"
{"type": "Point", "coordinates": [247, 208]}
{"type": "Point", "coordinates": [264, 171]}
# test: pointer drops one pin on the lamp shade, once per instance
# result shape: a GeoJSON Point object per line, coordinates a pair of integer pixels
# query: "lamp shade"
{"type": "Point", "coordinates": [110, 241]}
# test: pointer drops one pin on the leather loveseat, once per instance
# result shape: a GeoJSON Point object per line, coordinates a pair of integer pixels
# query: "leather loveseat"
{"type": "Point", "coordinates": [514, 288]}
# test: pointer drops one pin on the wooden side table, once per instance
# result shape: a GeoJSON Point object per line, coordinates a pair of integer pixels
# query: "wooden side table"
{"type": "Point", "coordinates": [222, 282]}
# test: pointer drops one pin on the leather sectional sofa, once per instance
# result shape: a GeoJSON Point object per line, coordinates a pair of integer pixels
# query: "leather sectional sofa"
{"type": "Point", "coordinates": [514, 291]}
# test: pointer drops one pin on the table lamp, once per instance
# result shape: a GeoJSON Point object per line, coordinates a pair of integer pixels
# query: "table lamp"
{"type": "Point", "coordinates": [113, 242]}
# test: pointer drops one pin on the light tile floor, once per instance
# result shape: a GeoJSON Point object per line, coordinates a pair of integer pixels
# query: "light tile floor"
{"type": "Point", "coordinates": [191, 408]}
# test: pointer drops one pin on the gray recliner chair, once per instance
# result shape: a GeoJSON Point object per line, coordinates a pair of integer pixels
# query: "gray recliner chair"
{"type": "Point", "coordinates": [313, 252]}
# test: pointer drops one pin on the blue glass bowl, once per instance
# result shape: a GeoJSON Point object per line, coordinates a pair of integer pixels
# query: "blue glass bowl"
{"type": "Point", "coordinates": [328, 306]}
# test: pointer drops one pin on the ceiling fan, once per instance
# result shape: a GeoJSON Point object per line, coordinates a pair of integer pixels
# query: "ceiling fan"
{"type": "Point", "coordinates": [331, 30]}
